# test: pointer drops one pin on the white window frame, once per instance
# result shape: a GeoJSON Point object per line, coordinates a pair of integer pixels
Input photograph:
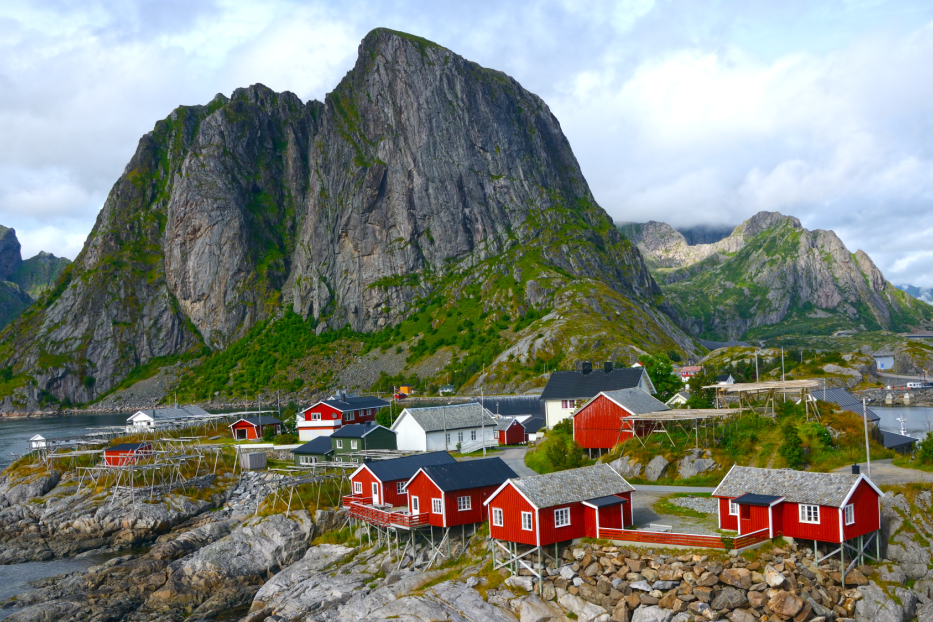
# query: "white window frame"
{"type": "Point", "coordinates": [357, 488]}
{"type": "Point", "coordinates": [472, 435]}
{"type": "Point", "coordinates": [415, 505]}
{"type": "Point", "coordinates": [354, 444]}
{"type": "Point", "coordinates": [849, 512]}
{"type": "Point", "coordinates": [464, 503]}
{"type": "Point", "coordinates": [436, 506]}
{"type": "Point", "coordinates": [400, 488]}
{"type": "Point", "coordinates": [733, 508]}
{"type": "Point", "coordinates": [350, 416]}
{"type": "Point", "coordinates": [339, 443]}
{"type": "Point", "coordinates": [315, 416]}
{"type": "Point", "coordinates": [460, 437]}
{"type": "Point", "coordinates": [527, 521]}
{"type": "Point", "coordinates": [562, 517]}
{"type": "Point", "coordinates": [447, 439]}
{"type": "Point", "coordinates": [809, 513]}
{"type": "Point", "coordinates": [497, 517]}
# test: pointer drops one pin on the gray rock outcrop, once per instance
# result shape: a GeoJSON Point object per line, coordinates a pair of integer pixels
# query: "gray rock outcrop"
{"type": "Point", "coordinates": [655, 469]}
{"type": "Point", "coordinates": [695, 462]}
{"type": "Point", "coordinates": [627, 467]}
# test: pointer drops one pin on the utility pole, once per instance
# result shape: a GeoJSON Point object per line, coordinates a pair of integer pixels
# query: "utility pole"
{"type": "Point", "coordinates": [783, 379]}
{"type": "Point", "coordinates": [756, 367]}
{"type": "Point", "coordinates": [867, 452]}
{"type": "Point", "coordinates": [482, 421]}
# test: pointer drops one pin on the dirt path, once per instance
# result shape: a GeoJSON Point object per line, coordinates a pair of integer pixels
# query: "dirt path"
{"type": "Point", "coordinates": [884, 472]}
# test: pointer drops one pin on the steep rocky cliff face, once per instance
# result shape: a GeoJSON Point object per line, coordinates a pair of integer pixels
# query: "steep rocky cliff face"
{"type": "Point", "coordinates": [418, 167]}
{"type": "Point", "coordinates": [772, 277]}
{"type": "Point", "coordinates": [23, 281]}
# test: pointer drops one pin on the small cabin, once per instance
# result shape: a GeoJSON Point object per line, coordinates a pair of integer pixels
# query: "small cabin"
{"type": "Point", "coordinates": [126, 453]}
{"type": "Point", "coordinates": [511, 431]}
{"type": "Point", "coordinates": [38, 442]}
{"type": "Point", "coordinates": [454, 494]}
{"type": "Point", "coordinates": [819, 507]}
{"type": "Point", "coordinates": [352, 439]}
{"type": "Point", "coordinates": [557, 507]}
{"type": "Point", "coordinates": [678, 399]}
{"type": "Point", "coordinates": [314, 451]}
{"type": "Point", "coordinates": [606, 420]}
{"type": "Point", "coordinates": [382, 482]}
{"type": "Point", "coordinates": [254, 428]}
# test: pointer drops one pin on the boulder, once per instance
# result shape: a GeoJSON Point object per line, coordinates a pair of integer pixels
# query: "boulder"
{"type": "Point", "coordinates": [585, 611]}
{"type": "Point", "coordinates": [708, 579]}
{"type": "Point", "coordinates": [908, 600]}
{"type": "Point", "coordinates": [522, 583]}
{"type": "Point", "coordinates": [875, 606]}
{"type": "Point", "coordinates": [785, 604]}
{"type": "Point", "coordinates": [644, 586]}
{"type": "Point", "coordinates": [729, 598]}
{"type": "Point", "coordinates": [736, 577]}
{"type": "Point", "coordinates": [741, 615]}
{"type": "Point", "coordinates": [913, 559]}
{"type": "Point", "coordinates": [892, 574]}
{"type": "Point", "coordinates": [695, 462]}
{"type": "Point", "coordinates": [772, 577]}
{"type": "Point", "coordinates": [626, 467]}
{"type": "Point", "coordinates": [621, 612]}
{"type": "Point", "coordinates": [652, 614]}
{"type": "Point", "coordinates": [655, 469]}
{"type": "Point", "coordinates": [567, 573]}
{"type": "Point", "coordinates": [925, 613]}
{"type": "Point", "coordinates": [533, 609]}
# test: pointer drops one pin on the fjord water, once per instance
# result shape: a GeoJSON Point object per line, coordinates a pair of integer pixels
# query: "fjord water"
{"type": "Point", "coordinates": [919, 419]}
{"type": "Point", "coordinates": [16, 578]}
{"type": "Point", "coordinates": [16, 432]}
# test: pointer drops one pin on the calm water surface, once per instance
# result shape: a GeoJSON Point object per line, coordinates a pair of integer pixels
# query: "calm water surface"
{"type": "Point", "coordinates": [15, 433]}
{"type": "Point", "coordinates": [919, 419]}
{"type": "Point", "coordinates": [15, 579]}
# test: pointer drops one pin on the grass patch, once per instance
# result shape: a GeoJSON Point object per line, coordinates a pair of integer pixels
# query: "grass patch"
{"type": "Point", "coordinates": [664, 506]}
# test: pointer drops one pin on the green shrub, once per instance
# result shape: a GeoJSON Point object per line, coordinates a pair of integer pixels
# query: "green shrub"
{"type": "Point", "coordinates": [283, 439]}
{"type": "Point", "coordinates": [268, 433]}
{"type": "Point", "coordinates": [925, 450]}
{"type": "Point", "coordinates": [791, 446]}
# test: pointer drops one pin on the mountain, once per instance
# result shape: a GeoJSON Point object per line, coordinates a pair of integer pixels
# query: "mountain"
{"type": "Point", "coordinates": [704, 234]}
{"type": "Point", "coordinates": [22, 281]}
{"type": "Point", "coordinates": [920, 293]}
{"type": "Point", "coordinates": [771, 277]}
{"type": "Point", "coordinates": [423, 181]}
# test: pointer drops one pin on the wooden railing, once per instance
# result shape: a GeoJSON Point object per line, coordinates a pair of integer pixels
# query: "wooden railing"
{"type": "Point", "coordinates": [681, 539]}
{"type": "Point", "coordinates": [363, 509]}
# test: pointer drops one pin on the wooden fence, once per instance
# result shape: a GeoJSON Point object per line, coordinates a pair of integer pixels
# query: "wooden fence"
{"type": "Point", "coordinates": [362, 509]}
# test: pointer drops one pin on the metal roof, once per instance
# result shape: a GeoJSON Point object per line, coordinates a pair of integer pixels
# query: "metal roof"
{"type": "Point", "coordinates": [179, 412]}
{"type": "Point", "coordinates": [512, 405]}
{"type": "Point", "coordinates": [798, 486]}
{"type": "Point", "coordinates": [450, 417]}
{"type": "Point", "coordinates": [403, 468]}
{"type": "Point", "coordinates": [318, 446]}
{"type": "Point", "coordinates": [127, 447]}
{"type": "Point", "coordinates": [469, 474]}
{"type": "Point", "coordinates": [261, 420]}
{"type": "Point", "coordinates": [605, 502]}
{"type": "Point", "coordinates": [571, 486]}
{"type": "Point", "coordinates": [761, 500]}
{"type": "Point", "coordinates": [533, 425]}
{"type": "Point", "coordinates": [577, 385]}
{"type": "Point", "coordinates": [504, 423]}
{"type": "Point", "coordinates": [893, 439]}
{"type": "Point", "coordinates": [358, 430]}
{"type": "Point", "coordinates": [351, 402]}
{"type": "Point", "coordinates": [634, 401]}
{"type": "Point", "coordinates": [845, 400]}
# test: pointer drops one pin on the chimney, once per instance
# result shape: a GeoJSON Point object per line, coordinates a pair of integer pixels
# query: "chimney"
{"type": "Point", "coordinates": [587, 367]}
{"type": "Point", "coordinates": [607, 366]}
{"type": "Point", "coordinates": [855, 469]}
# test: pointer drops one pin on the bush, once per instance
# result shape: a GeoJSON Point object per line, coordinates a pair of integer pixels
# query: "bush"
{"type": "Point", "coordinates": [563, 453]}
{"type": "Point", "coordinates": [268, 433]}
{"type": "Point", "coordinates": [791, 446]}
{"type": "Point", "coordinates": [289, 418]}
{"type": "Point", "coordinates": [565, 427]}
{"type": "Point", "coordinates": [284, 439]}
{"type": "Point", "coordinates": [925, 450]}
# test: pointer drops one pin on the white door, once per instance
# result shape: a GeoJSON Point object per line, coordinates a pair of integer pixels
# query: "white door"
{"type": "Point", "coordinates": [375, 493]}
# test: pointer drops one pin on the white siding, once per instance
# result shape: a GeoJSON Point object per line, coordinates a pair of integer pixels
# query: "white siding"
{"type": "Point", "coordinates": [554, 414]}
{"type": "Point", "coordinates": [410, 436]}
{"type": "Point", "coordinates": [309, 434]}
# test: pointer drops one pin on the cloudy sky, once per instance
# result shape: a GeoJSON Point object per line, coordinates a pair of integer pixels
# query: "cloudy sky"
{"type": "Point", "coordinates": [688, 112]}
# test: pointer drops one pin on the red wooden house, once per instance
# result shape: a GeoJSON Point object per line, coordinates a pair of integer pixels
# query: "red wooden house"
{"type": "Point", "coordinates": [453, 494]}
{"type": "Point", "coordinates": [382, 482]}
{"type": "Point", "coordinates": [252, 428]}
{"type": "Point", "coordinates": [546, 509]}
{"type": "Point", "coordinates": [605, 420]}
{"type": "Point", "coordinates": [819, 507]}
{"type": "Point", "coordinates": [511, 431]}
{"type": "Point", "coordinates": [126, 453]}
{"type": "Point", "coordinates": [326, 416]}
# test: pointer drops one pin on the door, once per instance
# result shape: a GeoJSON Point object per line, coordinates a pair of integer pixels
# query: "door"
{"type": "Point", "coordinates": [240, 434]}
{"type": "Point", "coordinates": [745, 519]}
{"type": "Point", "coordinates": [375, 493]}
{"type": "Point", "coordinates": [415, 509]}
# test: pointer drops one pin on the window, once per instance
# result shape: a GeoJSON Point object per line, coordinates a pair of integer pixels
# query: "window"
{"type": "Point", "coordinates": [459, 437]}
{"type": "Point", "coordinates": [400, 488]}
{"type": "Point", "coordinates": [809, 513]}
{"type": "Point", "coordinates": [339, 443]}
{"type": "Point", "coordinates": [315, 416]}
{"type": "Point", "coordinates": [472, 435]}
{"type": "Point", "coordinates": [436, 507]}
{"type": "Point", "coordinates": [564, 404]}
{"type": "Point", "coordinates": [350, 416]}
{"type": "Point", "coordinates": [463, 503]}
{"type": "Point", "coordinates": [307, 459]}
{"type": "Point", "coordinates": [415, 509]}
{"type": "Point", "coordinates": [850, 514]}
{"type": "Point", "coordinates": [497, 517]}
{"type": "Point", "coordinates": [562, 517]}
{"type": "Point", "coordinates": [357, 488]}
{"type": "Point", "coordinates": [447, 439]}
{"type": "Point", "coordinates": [526, 521]}
{"type": "Point", "coordinates": [353, 444]}
{"type": "Point", "coordinates": [733, 508]}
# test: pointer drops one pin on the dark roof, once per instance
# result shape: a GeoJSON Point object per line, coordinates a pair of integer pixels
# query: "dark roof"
{"type": "Point", "coordinates": [635, 401]}
{"type": "Point", "coordinates": [798, 486]}
{"type": "Point", "coordinates": [318, 447]}
{"type": "Point", "coordinates": [358, 430]}
{"type": "Point", "coordinates": [127, 447]}
{"type": "Point", "coordinates": [533, 425]}
{"type": "Point", "coordinates": [577, 385]}
{"type": "Point", "coordinates": [344, 404]}
{"type": "Point", "coordinates": [751, 499]}
{"type": "Point", "coordinates": [571, 486]}
{"type": "Point", "coordinates": [403, 468]}
{"type": "Point", "coordinates": [257, 421]}
{"type": "Point", "coordinates": [605, 502]}
{"type": "Point", "coordinates": [469, 474]}
{"type": "Point", "coordinates": [723, 377]}
{"type": "Point", "coordinates": [512, 405]}
{"type": "Point", "coordinates": [893, 439]}
{"type": "Point", "coordinates": [845, 400]}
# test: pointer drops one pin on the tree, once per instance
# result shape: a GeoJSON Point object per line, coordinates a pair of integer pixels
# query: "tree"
{"type": "Point", "coordinates": [662, 376]}
{"type": "Point", "coordinates": [384, 417]}
{"type": "Point", "coordinates": [791, 448]}
{"type": "Point", "coordinates": [563, 453]}
{"type": "Point", "coordinates": [925, 450]}
{"type": "Point", "coordinates": [289, 419]}
{"type": "Point", "coordinates": [268, 433]}
{"type": "Point", "coordinates": [700, 397]}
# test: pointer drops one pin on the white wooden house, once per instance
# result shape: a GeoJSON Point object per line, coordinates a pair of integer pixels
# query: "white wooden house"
{"type": "Point", "coordinates": [147, 419]}
{"type": "Point", "coordinates": [465, 426]}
